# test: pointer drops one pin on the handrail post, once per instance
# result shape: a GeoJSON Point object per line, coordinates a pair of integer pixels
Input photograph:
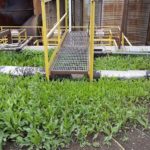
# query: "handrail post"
{"type": "Point", "coordinates": [45, 40]}
{"type": "Point", "coordinates": [70, 16]}
{"type": "Point", "coordinates": [66, 11]}
{"type": "Point", "coordinates": [58, 19]}
{"type": "Point", "coordinates": [92, 30]}
{"type": "Point", "coordinates": [123, 42]}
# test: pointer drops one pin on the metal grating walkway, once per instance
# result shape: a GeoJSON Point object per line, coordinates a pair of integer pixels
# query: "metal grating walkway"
{"type": "Point", "coordinates": [73, 56]}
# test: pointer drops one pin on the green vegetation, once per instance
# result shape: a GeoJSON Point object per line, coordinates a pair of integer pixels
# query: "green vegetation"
{"type": "Point", "coordinates": [48, 115]}
{"type": "Point", "coordinates": [122, 63]}
{"type": "Point", "coordinates": [32, 58]}
{"type": "Point", "coordinates": [25, 58]}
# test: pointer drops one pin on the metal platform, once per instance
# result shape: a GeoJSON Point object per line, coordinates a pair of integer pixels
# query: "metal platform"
{"type": "Point", "coordinates": [73, 56]}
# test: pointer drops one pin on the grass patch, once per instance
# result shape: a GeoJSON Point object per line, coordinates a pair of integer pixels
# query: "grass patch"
{"type": "Point", "coordinates": [25, 58]}
{"type": "Point", "coordinates": [36, 59]}
{"type": "Point", "coordinates": [49, 115]}
{"type": "Point", "coordinates": [122, 63]}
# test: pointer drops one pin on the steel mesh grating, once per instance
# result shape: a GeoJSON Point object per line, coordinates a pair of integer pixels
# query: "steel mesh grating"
{"type": "Point", "coordinates": [74, 54]}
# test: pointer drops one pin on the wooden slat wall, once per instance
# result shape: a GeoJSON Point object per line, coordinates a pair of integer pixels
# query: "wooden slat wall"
{"type": "Point", "coordinates": [137, 21]}
{"type": "Point", "coordinates": [51, 13]}
{"type": "Point", "coordinates": [112, 12]}
{"type": "Point", "coordinates": [137, 15]}
{"type": "Point", "coordinates": [148, 35]}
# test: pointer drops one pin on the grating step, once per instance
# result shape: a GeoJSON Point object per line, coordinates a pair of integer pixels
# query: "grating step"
{"type": "Point", "coordinates": [73, 56]}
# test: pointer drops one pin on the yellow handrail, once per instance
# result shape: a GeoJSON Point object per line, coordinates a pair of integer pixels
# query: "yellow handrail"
{"type": "Point", "coordinates": [125, 39]}
{"type": "Point", "coordinates": [58, 19]}
{"type": "Point", "coordinates": [45, 40]}
{"type": "Point", "coordinates": [46, 36]}
{"type": "Point", "coordinates": [92, 27]}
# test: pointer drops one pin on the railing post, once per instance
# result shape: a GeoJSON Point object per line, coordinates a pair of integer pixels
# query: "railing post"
{"type": "Point", "coordinates": [70, 16]}
{"type": "Point", "coordinates": [45, 40]}
{"type": "Point", "coordinates": [92, 30]}
{"type": "Point", "coordinates": [123, 43]}
{"type": "Point", "coordinates": [66, 11]}
{"type": "Point", "coordinates": [110, 38]}
{"type": "Point", "coordinates": [58, 19]}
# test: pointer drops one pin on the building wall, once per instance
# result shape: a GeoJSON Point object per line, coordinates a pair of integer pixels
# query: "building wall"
{"type": "Point", "coordinates": [51, 12]}
{"type": "Point", "coordinates": [112, 12]}
{"type": "Point", "coordinates": [137, 21]}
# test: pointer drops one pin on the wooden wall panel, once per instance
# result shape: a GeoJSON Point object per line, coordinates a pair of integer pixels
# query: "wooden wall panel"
{"type": "Point", "coordinates": [137, 21]}
{"type": "Point", "coordinates": [112, 12]}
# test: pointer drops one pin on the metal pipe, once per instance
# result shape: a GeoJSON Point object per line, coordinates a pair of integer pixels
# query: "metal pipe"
{"type": "Point", "coordinates": [70, 16]}
{"type": "Point", "coordinates": [54, 28]}
{"type": "Point", "coordinates": [100, 53]}
{"type": "Point", "coordinates": [131, 74]}
{"type": "Point", "coordinates": [29, 71]}
{"type": "Point", "coordinates": [58, 19]}
{"type": "Point", "coordinates": [45, 40]}
{"type": "Point", "coordinates": [17, 48]}
{"type": "Point", "coordinates": [21, 71]}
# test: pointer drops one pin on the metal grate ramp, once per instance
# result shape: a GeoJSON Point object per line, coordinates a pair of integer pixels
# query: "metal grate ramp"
{"type": "Point", "coordinates": [73, 56]}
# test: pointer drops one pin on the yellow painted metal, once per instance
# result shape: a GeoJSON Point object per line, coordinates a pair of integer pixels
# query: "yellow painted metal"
{"type": "Point", "coordinates": [53, 41]}
{"type": "Point", "coordinates": [92, 27]}
{"type": "Point", "coordinates": [110, 38]}
{"type": "Point", "coordinates": [1, 28]}
{"type": "Point", "coordinates": [4, 40]}
{"type": "Point", "coordinates": [36, 42]}
{"type": "Point", "coordinates": [123, 41]}
{"type": "Point", "coordinates": [66, 10]}
{"type": "Point", "coordinates": [22, 35]}
{"type": "Point", "coordinates": [58, 19]}
{"type": "Point", "coordinates": [45, 41]}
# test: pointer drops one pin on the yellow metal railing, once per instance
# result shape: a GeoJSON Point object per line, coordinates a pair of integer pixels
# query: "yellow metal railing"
{"type": "Point", "coordinates": [47, 35]}
{"type": "Point", "coordinates": [4, 40]}
{"type": "Point", "coordinates": [22, 35]}
{"type": "Point", "coordinates": [125, 40]}
{"type": "Point", "coordinates": [18, 34]}
{"type": "Point", "coordinates": [92, 30]}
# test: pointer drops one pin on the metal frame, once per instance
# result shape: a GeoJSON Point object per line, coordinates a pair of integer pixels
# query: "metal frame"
{"type": "Point", "coordinates": [46, 36]}
{"type": "Point", "coordinates": [92, 30]}
{"type": "Point", "coordinates": [111, 33]}
{"type": "Point", "coordinates": [109, 38]}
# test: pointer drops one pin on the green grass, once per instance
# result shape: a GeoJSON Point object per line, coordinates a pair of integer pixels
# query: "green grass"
{"type": "Point", "coordinates": [35, 59]}
{"type": "Point", "coordinates": [122, 63]}
{"type": "Point", "coordinates": [25, 58]}
{"type": "Point", "coordinates": [49, 115]}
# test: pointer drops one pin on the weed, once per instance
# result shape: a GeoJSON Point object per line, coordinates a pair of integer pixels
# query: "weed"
{"type": "Point", "coordinates": [122, 63]}
{"type": "Point", "coordinates": [49, 115]}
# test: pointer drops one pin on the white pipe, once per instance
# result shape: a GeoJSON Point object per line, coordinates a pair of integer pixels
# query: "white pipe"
{"type": "Point", "coordinates": [70, 16]}
{"type": "Point", "coordinates": [21, 71]}
{"type": "Point", "coordinates": [26, 71]}
{"type": "Point", "coordinates": [131, 74]}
